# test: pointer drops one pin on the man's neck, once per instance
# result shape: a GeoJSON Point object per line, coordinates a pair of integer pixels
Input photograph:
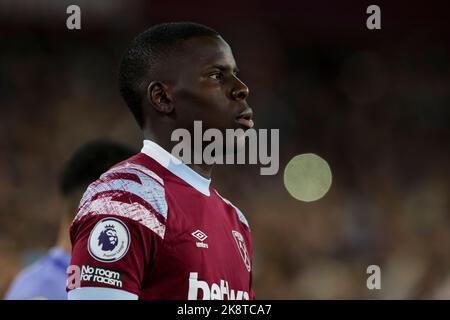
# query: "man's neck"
{"type": "Point", "coordinates": [202, 169]}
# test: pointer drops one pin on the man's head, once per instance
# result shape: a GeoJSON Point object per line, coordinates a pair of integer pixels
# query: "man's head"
{"type": "Point", "coordinates": [86, 165]}
{"type": "Point", "coordinates": [175, 73]}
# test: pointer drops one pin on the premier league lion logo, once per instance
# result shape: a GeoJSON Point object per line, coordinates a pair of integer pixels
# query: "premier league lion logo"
{"type": "Point", "coordinates": [108, 238]}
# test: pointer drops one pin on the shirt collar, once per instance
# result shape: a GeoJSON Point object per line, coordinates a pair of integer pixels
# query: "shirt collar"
{"type": "Point", "coordinates": [176, 166]}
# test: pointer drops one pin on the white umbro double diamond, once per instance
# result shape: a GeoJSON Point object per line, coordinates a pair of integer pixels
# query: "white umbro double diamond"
{"type": "Point", "coordinates": [200, 235]}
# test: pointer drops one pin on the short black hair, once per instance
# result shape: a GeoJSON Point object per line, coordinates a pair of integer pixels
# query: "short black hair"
{"type": "Point", "coordinates": [146, 51]}
{"type": "Point", "coordinates": [89, 162]}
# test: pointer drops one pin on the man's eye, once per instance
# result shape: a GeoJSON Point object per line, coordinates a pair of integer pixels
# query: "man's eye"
{"type": "Point", "coordinates": [216, 76]}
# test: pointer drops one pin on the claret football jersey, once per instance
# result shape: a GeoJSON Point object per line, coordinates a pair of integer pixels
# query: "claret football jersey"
{"type": "Point", "coordinates": [152, 228]}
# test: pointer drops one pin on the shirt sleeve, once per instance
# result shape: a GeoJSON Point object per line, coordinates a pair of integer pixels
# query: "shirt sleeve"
{"type": "Point", "coordinates": [99, 293]}
{"type": "Point", "coordinates": [113, 251]}
{"type": "Point", "coordinates": [117, 232]}
{"type": "Point", "coordinates": [252, 292]}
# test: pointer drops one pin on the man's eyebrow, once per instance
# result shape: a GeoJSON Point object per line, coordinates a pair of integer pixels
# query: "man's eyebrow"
{"type": "Point", "coordinates": [222, 67]}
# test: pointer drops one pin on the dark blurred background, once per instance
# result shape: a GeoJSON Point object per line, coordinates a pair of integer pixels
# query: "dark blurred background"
{"type": "Point", "coordinates": [374, 104]}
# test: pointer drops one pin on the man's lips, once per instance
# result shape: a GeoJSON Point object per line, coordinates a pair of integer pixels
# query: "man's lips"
{"type": "Point", "coordinates": [245, 119]}
{"type": "Point", "coordinates": [245, 122]}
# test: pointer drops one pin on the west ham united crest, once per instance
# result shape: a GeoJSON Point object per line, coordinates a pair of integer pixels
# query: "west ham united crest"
{"type": "Point", "coordinates": [109, 240]}
{"type": "Point", "coordinates": [242, 249]}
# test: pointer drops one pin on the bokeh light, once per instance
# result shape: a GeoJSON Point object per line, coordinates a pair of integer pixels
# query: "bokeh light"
{"type": "Point", "coordinates": [307, 177]}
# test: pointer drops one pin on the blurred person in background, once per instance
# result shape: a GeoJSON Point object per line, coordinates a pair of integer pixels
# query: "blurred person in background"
{"type": "Point", "coordinates": [46, 278]}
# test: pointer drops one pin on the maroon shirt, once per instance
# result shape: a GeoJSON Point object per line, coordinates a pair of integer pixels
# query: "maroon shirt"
{"type": "Point", "coordinates": [154, 227]}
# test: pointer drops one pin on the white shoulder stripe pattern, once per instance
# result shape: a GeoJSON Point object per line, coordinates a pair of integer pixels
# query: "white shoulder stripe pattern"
{"type": "Point", "coordinates": [149, 190]}
{"type": "Point", "coordinates": [130, 165]}
{"type": "Point", "coordinates": [134, 211]}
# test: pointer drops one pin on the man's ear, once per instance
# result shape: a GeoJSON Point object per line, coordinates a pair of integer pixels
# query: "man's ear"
{"type": "Point", "coordinates": [159, 97]}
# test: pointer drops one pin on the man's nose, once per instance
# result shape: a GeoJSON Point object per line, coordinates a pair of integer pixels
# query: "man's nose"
{"type": "Point", "coordinates": [240, 91]}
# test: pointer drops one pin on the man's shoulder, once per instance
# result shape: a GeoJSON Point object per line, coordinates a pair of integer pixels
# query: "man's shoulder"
{"type": "Point", "coordinates": [131, 189]}
{"type": "Point", "coordinates": [233, 208]}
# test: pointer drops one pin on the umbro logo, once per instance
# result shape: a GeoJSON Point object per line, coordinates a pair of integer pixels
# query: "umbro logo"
{"type": "Point", "coordinates": [199, 235]}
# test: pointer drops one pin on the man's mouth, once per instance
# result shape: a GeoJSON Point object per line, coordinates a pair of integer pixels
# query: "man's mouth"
{"type": "Point", "coordinates": [245, 119]}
